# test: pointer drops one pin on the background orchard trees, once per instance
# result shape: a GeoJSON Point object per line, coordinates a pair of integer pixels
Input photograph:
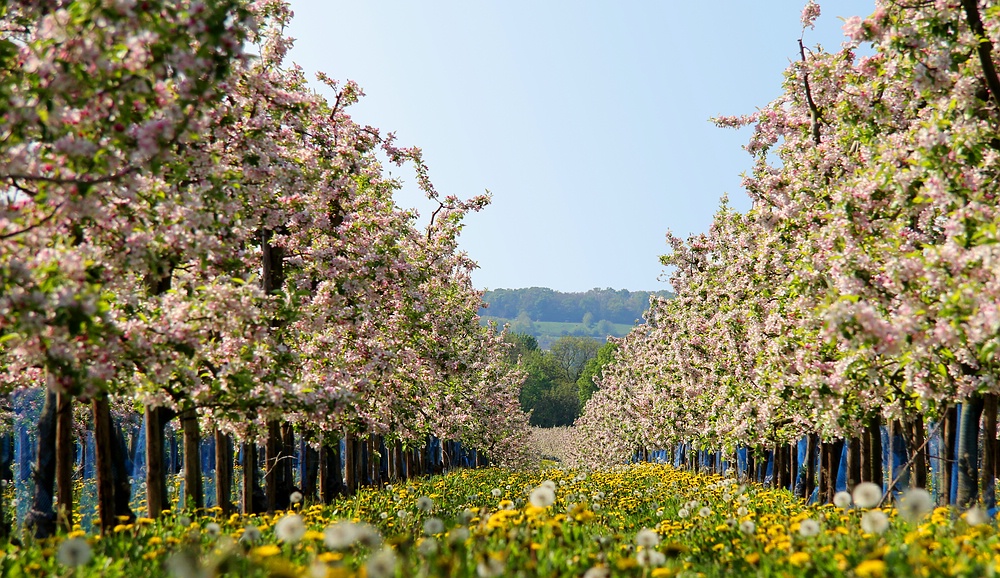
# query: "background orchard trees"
{"type": "Point", "coordinates": [197, 231]}
{"type": "Point", "coordinates": [859, 290]}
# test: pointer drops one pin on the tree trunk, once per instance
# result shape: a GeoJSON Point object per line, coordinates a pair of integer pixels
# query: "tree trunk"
{"type": "Point", "coordinates": [812, 442]}
{"type": "Point", "coordinates": [350, 467]}
{"type": "Point", "coordinates": [193, 494]}
{"type": "Point", "coordinates": [272, 451]}
{"type": "Point", "coordinates": [916, 439]}
{"type": "Point", "coordinates": [123, 486]}
{"type": "Point", "coordinates": [947, 460]}
{"type": "Point", "coordinates": [835, 452]}
{"type": "Point", "coordinates": [988, 474]}
{"type": "Point", "coordinates": [853, 463]}
{"type": "Point", "coordinates": [249, 451]}
{"type": "Point", "coordinates": [156, 481]}
{"type": "Point", "coordinates": [874, 454]}
{"type": "Point", "coordinates": [64, 460]}
{"type": "Point", "coordinates": [287, 469]}
{"type": "Point", "coordinates": [103, 440]}
{"type": "Point", "coordinates": [968, 451]}
{"type": "Point", "coordinates": [223, 472]}
{"type": "Point", "coordinates": [40, 517]}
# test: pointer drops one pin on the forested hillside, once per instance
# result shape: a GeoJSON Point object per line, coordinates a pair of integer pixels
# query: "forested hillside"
{"type": "Point", "coordinates": [543, 304]}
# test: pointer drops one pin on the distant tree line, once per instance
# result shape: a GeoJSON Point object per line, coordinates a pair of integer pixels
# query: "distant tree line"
{"type": "Point", "coordinates": [559, 381]}
{"type": "Point", "coordinates": [543, 304]}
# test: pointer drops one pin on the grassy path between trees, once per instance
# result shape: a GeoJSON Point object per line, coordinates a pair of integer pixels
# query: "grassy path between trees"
{"type": "Point", "coordinates": [639, 520]}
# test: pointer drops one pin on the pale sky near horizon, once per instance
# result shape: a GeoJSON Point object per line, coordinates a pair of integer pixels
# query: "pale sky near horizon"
{"type": "Point", "coordinates": [587, 120]}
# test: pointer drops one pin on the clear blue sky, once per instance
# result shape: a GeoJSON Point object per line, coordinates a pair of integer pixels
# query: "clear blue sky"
{"type": "Point", "coordinates": [588, 121]}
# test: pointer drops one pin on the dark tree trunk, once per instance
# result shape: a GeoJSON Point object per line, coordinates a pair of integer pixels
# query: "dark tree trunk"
{"type": "Point", "coordinates": [64, 460]}
{"type": "Point", "coordinates": [810, 483]}
{"type": "Point", "coordinates": [835, 453]}
{"type": "Point", "coordinates": [968, 451]}
{"type": "Point", "coordinates": [947, 460]}
{"type": "Point", "coordinates": [104, 441]}
{"type": "Point", "coordinates": [223, 472]}
{"type": "Point", "coordinates": [853, 463]}
{"type": "Point", "coordinates": [874, 454]}
{"type": "Point", "coordinates": [156, 468]}
{"type": "Point", "coordinates": [193, 493]}
{"type": "Point", "coordinates": [249, 451]}
{"type": "Point", "coordinates": [350, 467]}
{"type": "Point", "coordinates": [40, 517]}
{"type": "Point", "coordinates": [272, 451]}
{"type": "Point", "coordinates": [287, 469]}
{"type": "Point", "coordinates": [917, 441]}
{"type": "Point", "coordinates": [989, 450]}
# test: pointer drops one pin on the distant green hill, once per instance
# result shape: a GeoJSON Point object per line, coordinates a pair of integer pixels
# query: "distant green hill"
{"type": "Point", "coordinates": [547, 314]}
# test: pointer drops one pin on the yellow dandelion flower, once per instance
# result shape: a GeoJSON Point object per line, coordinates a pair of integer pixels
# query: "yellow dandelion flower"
{"type": "Point", "coordinates": [870, 569]}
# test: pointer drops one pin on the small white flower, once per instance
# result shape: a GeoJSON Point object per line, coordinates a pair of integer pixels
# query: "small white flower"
{"type": "Point", "coordinates": [683, 513]}
{"type": "Point", "coordinates": [842, 500]}
{"type": "Point", "coordinates": [742, 511]}
{"type": "Point", "coordinates": [428, 547]}
{"type": "Point", "coordinates": [381, 564]}
{"type": "Point", "coordinates": [401, 513]}
{"type": "Point", "coordinates": [290, 529]}
{"type": "Point", "coordinates": [425, 504]}
{"type": "Point", "coordinates": [748, 527]}
{"type": "Point", "coordinates": [975, 516]}
{"type": "Point", "coordinates": [542, 497]}
{"type": "Point", "coordinates": [647, 538]}
{"type": "Point", "coordinates": [874, 522]}
{"type": "Point", "coordinates": [867, 495]}
{"type": "Point", "coordinates": [808, 528]}
{"type": "Point", "coordinates": [433, 526]}
{"type": "Point", "coordinates": [497, 492]}
{"type": "Point", "coordinates": [705, 512]}
{"type": "Point", "coordinates": [727, 496]}
{"type": "Point", "coordinates": [650, 558]}
{"type": "Point", "coordinates": [383, 515]}
{"type": "Point", "coordinates": [915, 503]}
{"type": "Point", "coordinates": [250, 535]}
{"type": "Point", "coordinates": [295, 497]}
{"type": "Point", "coordinates": [340, 535]}
{"type": "Point", "coordinates": [73, 552]}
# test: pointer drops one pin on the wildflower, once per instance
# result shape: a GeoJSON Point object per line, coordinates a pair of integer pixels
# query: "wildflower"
{"type": "Point", "coordinates": [870, 569]}
{"type": "Point", "coordinates": [842, 500]}
{"type": "Point", "coordinates": [874, 522]}
{"type": "Point", "coordinates": [747, 527]}
{"type": "Point", "coordinates": [598, 572]}
{"type": "Point", "coordinates": [497, 492]}
{"type": "Point", "coordinates": [808, 528]}
{"type": "Point", "coordinates": [650, 558]}
{"type": "Point", "coordinates": [742, 511]}
{"type": "Point", "coordinates": [542, 497]}
{"type": "Point", "coordinates": [647, 538]}
{"type": "Point", "coordinates": [401, 513]}
{"type": "Point", "coordinates": [290, 529]}
{"type": "Point", "coordinates": [867, 495]}
{"type": "Point", "coordinates": [381, 564]}
{"type": "Point", "coordinates": [213, 529]}
{"type": "Point", "coordinates": [368, 536]}
{"type": "Point", "coordinates": [549, 484]}
{"type": "Point", "coordinates": [73, 552]}
{"type": "Point", "coordinates": [250, 535]}
{"type": "Point", "coordinates": [683, 513]}
{"type": "Point", "coordinates": [975, 516]}
{"type": "Point", "coordinates": [705, 512]}
{"type": "Point", "coordinates": [340, 535]}
{"type": "Point", "coordinates": [425, 504]}
{"type": "Point", "coordinates": [433, 526]}
{"type": "Point", "coordinates": [383, 515]}
{"type": "Point", "coordinates": [428, 547]}
{"type": "Point", "coordinates": [799, 558]}
{"type": "Point", "coordinates": [458, 535]}
{"type": "Point", "coordinates": [295, 497]}
{"type": "Point", "coordinates": [490, 568]}
{"type": "Point", "coordinates": [914, 504]}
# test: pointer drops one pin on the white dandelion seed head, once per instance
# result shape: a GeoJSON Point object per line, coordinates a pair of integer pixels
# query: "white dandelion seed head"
{"type": "Point", "coordinates": [383, 515]}
{"type": "Point", "coordinates": [340, 535]}
{"type": "Point", "coordinates": [748, 527]}
{"type": "Point", "coordinates": [650, 558]}
{"type": "Point", "coordinates": [213, 529]}
{"type": "Point", "coordinates": [497, 492]}
{"type": "Point", "coordinates": [428, 547]}
{"type": "Point", "coordinates": [458, 535]}
{"type": "Point", "coordinates": [368, 536]}
{"type": "Point", "coordinates": [317, 569]}
{"type": "Point", "coordinates": [742, 511]}
{"type": "Point", "coordinates": [290, 529]}
{"type": "Point", "coordinates": [915, 503]}
{"type": "Point", "coordinates": [705, 512]}
{"type": "Point", "coordinates": [542, 497]}
{"type": "Point", "coordinates": [732, 522]}
{"type": "Point", "coordinates": [73, 552]}
{"type": "Point", "coordinates": [381, 564]}
{"type": "Point", "coordinates": [842, 500]}
{"type": "Point", "coordinates": [295, 497]}
{"type": "Point", "coordinates": [250, 535]}
{"type": "Point", "coordinates": [808, 528]}
{"type": "Point", "coordinates": [549, 484]}
{"type": "Point", "coordinates": [433, 526]}
{"type": "Point", "coordinates": [597, 572]}
{"type": "Point", "coordinates": [867, 495]}
{"type": "Point", "coordinates": [490, 568]}
{"type": "Point", "coordinates": [425, 504]}
{"type": "Point", "coordinates": [683, 513]}
{"type": "Point", "coordinates": [647, 538]}
{"type": "Point", "coordinates": [875, 522]}
{"type": "Point", "coordinates": [975, 516]}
